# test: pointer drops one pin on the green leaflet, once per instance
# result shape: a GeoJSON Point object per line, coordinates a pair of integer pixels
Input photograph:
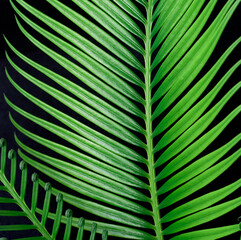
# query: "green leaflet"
{"type": "Point", "coordinates": [81, 74]}
{"type": "Point", "coordinates": [120, 16]}
{"type": "Point", "coordinates": [198, 166]}
{"type": "Point", "coordinates": [187, 39]}
{"type": "Point", "coordinates": [202, 216]}
{"type": "Point", "coordinates": [7, 200]}
{"type": "Point", "coordinates": [200, 181]}
{"type": "Point", "coordinates": [18, 199]}
{"type": "Point", "coordinates": [76, 126]}
{"type": "Point", "coordinates": [178, 31]}
{"type": "Point", "coordinates": [86, 146]}
{"type": "Point", "coordinates": [100, 120]}
{"type": "Point", "coordinates": [98, 34]}
{"type": "Point", "coordinates": [115, 230]}
{"type": "Point", "coordinates": [167, 19]}
{"type": "Point", "coordinates": [195, 112]}
{"type": "Point", "coordinates": [82, 43]}
{"type": "Point", "coordinates": [9, 213]}
{"type": "Point", "coordinates": [16, 227]}
{"type": "Point", "coordinates": [189, 98]}
{"type": "Point", "coordinates": [209, 234]}
{"type": "Point", "coordinates": [194, 131]}
{"type": "Point", "coordinates": [109, 213]}
{"type": "Point", "coordinates": [84, 160]}
{"type": "Point", "coordinates": [131, 179]}
{"type": "Point", "coordinates": [85, 60]}
{"type": "Point", "coordinates": [142, 108]}
{"type": "Point", "coordinates": [86, 175]}
{"type": "Point", "coordinates": [84, 189]}
{"type": "Point", "coordinates": [111, 25]}
{"type": "Point", "coordinates": [199, 53]}
{"type": "Point", "coordinates": [129, 7]}
{"type": "Point", "coordinates": [201, 202]}
{"type": "Point", "coordinates": [170, 96]}
{"type": "Point", "coordinates": [197, 147]}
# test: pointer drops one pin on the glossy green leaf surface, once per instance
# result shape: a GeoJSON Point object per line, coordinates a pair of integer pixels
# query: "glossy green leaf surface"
{"type": "Point", "coordinates": [130, 119]}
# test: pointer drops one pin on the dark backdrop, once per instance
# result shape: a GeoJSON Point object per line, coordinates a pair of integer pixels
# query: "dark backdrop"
{"type": "Point", "coordinates": [9, 29]}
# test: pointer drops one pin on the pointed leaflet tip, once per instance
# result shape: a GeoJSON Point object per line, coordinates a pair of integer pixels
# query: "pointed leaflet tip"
{"type": "Point", "coordinates": [11, 154]}
{"type": "Point", "coordinates": [34, 177]}
{"type": "Point", "coordinates": [93, 227]}
{"type": "Point", "coordinates": [69, 213]}
{"type": "Point", "coordinates": [239, 220]}
{"type": "Point", "coordinates": [22, 165]}
{"type": "Point", "coordinates": [81, 222]}
{"type": "Point", "coordinates": [104, 234]}
{"type": "Point", "coordinates": [59, 197]}
{"type": "Point", "coordinates": [47, 186]}
{"type": "Point", "coordinates": [2, 142]}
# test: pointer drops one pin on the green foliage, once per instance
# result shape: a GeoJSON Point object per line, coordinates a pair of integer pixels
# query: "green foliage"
{"type": "Point", "coordinates": [143, 114]}
{"type": "Point", "coordinates": [37, 222]}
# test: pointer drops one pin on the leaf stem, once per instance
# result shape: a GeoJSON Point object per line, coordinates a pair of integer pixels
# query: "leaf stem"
{"type": "Point", "coordinates": [25, 208]}
{"type": "Point", "coordinates": [149, 139]}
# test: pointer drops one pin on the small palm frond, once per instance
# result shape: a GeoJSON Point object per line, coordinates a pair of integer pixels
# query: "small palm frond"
{"type": "Point", "coordinates": [140, 113]}
{"type": "Point", "coordinates": [19, 200]}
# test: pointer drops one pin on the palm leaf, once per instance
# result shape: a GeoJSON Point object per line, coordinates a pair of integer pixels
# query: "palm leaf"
{"type": "Point", "coordinates": [141, 113]}
{"type": "Point", "coordinates": [19, 199]}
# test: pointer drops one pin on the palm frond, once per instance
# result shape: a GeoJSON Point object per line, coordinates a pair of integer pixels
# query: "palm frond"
{"type": "Point", "coordinates": [19, 199]}
{"type": "Point", "coordinates": [141, 114]}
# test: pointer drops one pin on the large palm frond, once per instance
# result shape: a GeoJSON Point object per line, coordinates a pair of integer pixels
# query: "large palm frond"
{"type": "Point", "coordinates": [141, 113]}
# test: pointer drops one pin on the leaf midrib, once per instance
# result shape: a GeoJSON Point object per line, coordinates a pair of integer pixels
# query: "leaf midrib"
{"type": "Point", "coordinates": [148, 122]}
{"type": "Point", "coordinates": [25, 208]}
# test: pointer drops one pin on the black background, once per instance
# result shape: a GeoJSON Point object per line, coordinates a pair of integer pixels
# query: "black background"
{"type": "Point", "coordinates": [9, 29]}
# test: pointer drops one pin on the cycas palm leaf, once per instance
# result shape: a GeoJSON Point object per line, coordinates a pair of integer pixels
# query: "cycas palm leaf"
{"type": "Point", "coordinates": [19, 199]}
{"type": "Point", "coordinates": [147, 113]}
